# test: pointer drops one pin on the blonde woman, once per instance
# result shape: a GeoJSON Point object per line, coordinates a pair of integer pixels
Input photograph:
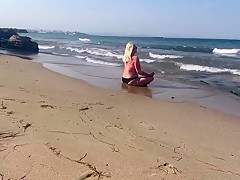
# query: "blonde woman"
{"type": "Point", "coordinates": [132, 68]}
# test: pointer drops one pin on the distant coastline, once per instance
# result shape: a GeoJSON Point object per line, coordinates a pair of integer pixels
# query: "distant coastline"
{"type": "Point", "coordinates": [122, 35]}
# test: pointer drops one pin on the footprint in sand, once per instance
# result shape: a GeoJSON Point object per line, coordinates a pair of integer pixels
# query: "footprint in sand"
{"type": "Point", "coordinates": [24, 90]}
{"type": "Point", "coordinates": [167, 168]}
{"type": "Point", "coordinates": [46, 106]}
{"type": "Point", "coordinates": [147, 126]}
{"type": "Point", "coordinates": [3, 106]}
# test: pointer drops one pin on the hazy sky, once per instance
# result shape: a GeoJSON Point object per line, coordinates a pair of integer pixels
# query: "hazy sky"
{"type": "Point", "coordinates": [168, 18]}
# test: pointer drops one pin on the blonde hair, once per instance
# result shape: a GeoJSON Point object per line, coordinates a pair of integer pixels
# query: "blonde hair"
{"type": "Point", "coordinates": [128, 52]}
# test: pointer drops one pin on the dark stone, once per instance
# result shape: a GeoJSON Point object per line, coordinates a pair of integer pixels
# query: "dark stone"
{"type": "Point", "coordinates": [204, 82]}
{"type": "Point", "coordinates": [22, 43]}
{"type": "Point", "coordinates": [9, 39]}
{"type": "Point", "coordinates": [7, 33]}
{"type": "Point", "coordinates": [235, 93]}
{"type": "Point", "coordinates": [21, 31]}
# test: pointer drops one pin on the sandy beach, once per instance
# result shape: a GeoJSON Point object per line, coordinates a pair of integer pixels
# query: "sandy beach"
{"type": "Point", "coordinates": [56, 127]}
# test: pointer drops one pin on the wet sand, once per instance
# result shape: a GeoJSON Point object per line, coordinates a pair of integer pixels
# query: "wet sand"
{"type": "Point", "coordinates": [57, 127]}
{"type": "Point", "coordinates": [107, 77]}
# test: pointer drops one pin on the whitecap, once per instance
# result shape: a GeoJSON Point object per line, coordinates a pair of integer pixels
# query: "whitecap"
{"type": "Point", "coordinates": [80, 57]}
{"type": "Point", "coordinates": [45, 47]}
{"type": "Point", "coordinates": [96, 51]}
{"type": "Point", "coordinates": [147, 60]}
{"type": "Point", "coordinates": [84, 40]}
{"type": "Point", "coordinates": [192, 67]}
{"type": "Point", "coordinates": [75, 50]}
{"type": "Point", "coordinates": [101, 62]}
{"type": "Point", "coordinates": [60, 54]}
{"type": "Point", "coordinates": [226, 51]}
{"type": "Point", "coordinates": [158, 56]}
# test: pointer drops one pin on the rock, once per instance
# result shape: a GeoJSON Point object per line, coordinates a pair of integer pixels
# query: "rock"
{"type": "Point", "coordinates": [22, 43]}
{"type": "Point", "coordinates": [204, 82]}
{"type": "Point", "coordinates": [9, 39]}
{"type": "Point", "coordinates": [6, 33]}
{"type": "Point", "coordinates": [21, 31]}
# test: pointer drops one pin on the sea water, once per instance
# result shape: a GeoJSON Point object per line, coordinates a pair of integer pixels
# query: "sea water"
{"type": "Point", "coordinates": [212, 62]}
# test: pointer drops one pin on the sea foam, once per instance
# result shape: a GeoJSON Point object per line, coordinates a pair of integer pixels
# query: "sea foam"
{"type": "Point", "coordinates": [81, 57]}
{"type": "Point", "coordinates": [95, 51]}
{"type": "Point", "coordinates": [192, 67]}
{"type": "Point", "coordinates": [101, 62]}
{"type": "Point", "coordinates": [45, 47]}
{"type": "Point", "coordinates": [84, 40]}
{"type": "Point", "coordinates": [60, 54]}
{"type": "Point", "coordinates": [158, 56]}
{"type": "Point", "coordinates": [226, 51]}
{"type": "Point", "coordinates": [147, 60]}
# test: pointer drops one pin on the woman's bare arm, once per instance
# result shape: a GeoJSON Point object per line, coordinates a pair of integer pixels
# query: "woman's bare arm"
{"type": "Point", "coordinates": [138, 68]}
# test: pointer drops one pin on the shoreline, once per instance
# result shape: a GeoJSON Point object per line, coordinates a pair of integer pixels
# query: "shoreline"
{"type": "Point", "coordinates": [67, 129]}
{"type": "Point", "coordinates": [161, 88]}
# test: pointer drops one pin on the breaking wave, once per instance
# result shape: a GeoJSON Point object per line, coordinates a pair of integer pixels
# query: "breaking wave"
{"type": "Point", "coordinates": [60, 54]}
{"type": "Point", "coordinates": [226, 51]}
{"type": "Point", "coordinates": [45, 47]}
{"type": "Point", "coordinates": [80, 57]}
{"type": "Point", "coordinates": [84, 40]}
{"type": "Point", "coordinates": [101, 62]}
{"type": "Point", "coordinates": [158, 56]}
{"type": "Point", "coordinates": [95, 51]}
{"type": "Point", "coordinates": [147, 60]}
{"type": "Point", "coordinates": [192, 67]}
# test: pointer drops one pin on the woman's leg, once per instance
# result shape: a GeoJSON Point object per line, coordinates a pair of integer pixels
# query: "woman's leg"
{"type": "Point", "coordinates": [141, 81]}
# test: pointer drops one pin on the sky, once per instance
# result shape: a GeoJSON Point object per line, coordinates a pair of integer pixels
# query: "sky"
{"type": "Point", "coordinates": [167, 18]}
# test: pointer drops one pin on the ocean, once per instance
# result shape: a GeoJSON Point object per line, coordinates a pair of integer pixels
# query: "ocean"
{"type": "Point", "coordinates": [211, 62]}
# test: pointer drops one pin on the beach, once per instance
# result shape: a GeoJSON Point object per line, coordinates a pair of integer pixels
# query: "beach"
{"type": "Point", "coordinates": [58, 127]}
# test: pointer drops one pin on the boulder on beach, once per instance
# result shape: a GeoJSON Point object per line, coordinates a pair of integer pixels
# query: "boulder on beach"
{"type": "Point", "coordinates": [7, 33]}
{"type": "Point", "coordinates": [22, 43]}
{"type": "Point", "coordinates": [9, 39]}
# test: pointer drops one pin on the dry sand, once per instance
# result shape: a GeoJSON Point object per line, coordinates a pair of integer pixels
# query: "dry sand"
{"type": "Point", "coordinates": [56, 127]}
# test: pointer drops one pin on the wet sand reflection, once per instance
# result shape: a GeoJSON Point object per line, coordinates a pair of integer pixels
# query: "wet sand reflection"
{"type": "Point", "coordinates": [137, 90]}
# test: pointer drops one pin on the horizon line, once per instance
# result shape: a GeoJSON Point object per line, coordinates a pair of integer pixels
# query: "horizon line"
{"type": "Point", "coordinates": [122, 35]}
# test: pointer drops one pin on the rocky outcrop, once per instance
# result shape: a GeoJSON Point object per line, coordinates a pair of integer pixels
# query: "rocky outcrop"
{"type": "Point", "coordinates": [9, 39]}
{"type": "Point", "coordinates": [7, 33]}
{"type": "Point", "coordinates": [22, 43]}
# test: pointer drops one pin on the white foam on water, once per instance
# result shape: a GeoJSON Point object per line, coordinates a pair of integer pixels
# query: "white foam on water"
{"type": "Point", "coordinates": [45, 47]}
{"type": "Point", "coordinates": [81, 57]}
{"type": "Point", "coordinates": [96, 51]}
{"type": "Point", "coordinates": [158, 56]}
{"type": "Point", "coordinates": [192, 67]}
{"type": "Point", "coordinates": [84, 40]}
{"type": "Point", "coordinates": [75, 50]}
{"type": "Point", "coordinates": [147, 60]}
{"type": "Point", "coordinates": [226, 51]}
{"type": "Point", "coordinates": [101, 62]}
{"type": "Point", "coordinates": [60, 54]}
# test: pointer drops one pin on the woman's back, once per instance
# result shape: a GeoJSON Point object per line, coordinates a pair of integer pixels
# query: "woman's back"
{"type": "Point", "coordinates": [130, 69]}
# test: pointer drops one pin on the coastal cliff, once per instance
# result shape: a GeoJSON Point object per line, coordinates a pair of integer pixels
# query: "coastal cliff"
{"type": "Point", "coordinates": [9, 39]}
